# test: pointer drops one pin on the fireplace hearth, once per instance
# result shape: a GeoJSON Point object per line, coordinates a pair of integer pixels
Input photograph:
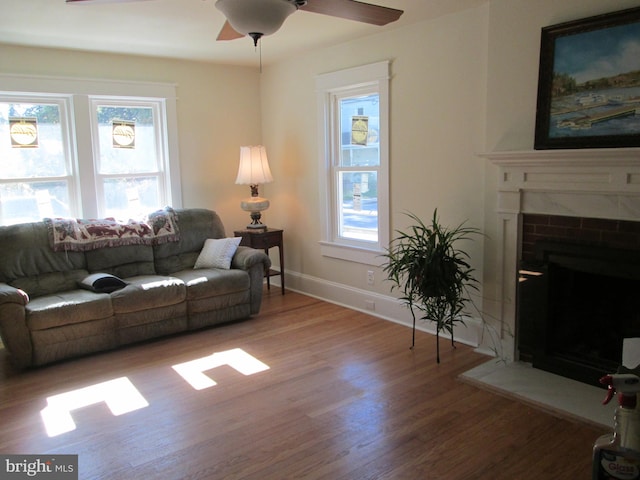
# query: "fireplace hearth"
{"type": "Point", "coordinates": [578, 299]}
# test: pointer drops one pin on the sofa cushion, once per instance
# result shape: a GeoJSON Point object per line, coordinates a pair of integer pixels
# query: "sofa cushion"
{"type": "Point", "coordinates": [217, 253]}
{"type": "Point", "coordinates": [196, 225]}
{"type": "Point", "coordinates": [72, 340]}
{"type": "Point", "coordinates": [66, 308]}
{"type": "Point", "coordinates": [154, 322]}
{"type": "Point", "coordinates": [125, 261]}
{"type": "Point", "coordinates": [49, 283]}
{"type": "Point", "coordinates": [26, 252]}
{"type": "Point", "coordinates": [212, 282]}
{"type": "Point", "coordinates": [148, 292]}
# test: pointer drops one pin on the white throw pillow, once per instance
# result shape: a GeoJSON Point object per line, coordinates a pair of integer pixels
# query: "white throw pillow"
{"type": "Point", "coordinates": [217, 252]}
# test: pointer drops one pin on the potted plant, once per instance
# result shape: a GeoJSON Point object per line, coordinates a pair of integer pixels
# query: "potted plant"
{"type": "Point", "coordinates": [432, 273]}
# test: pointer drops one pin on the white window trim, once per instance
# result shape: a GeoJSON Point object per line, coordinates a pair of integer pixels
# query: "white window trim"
{"type": "Point", "coordinates": [80, 90]}
{"type": "Point", "coordinates": [376, 74]}
{"type": "Point", "coordinates": [159, 113]}
{"type": "Point", "coordinates": [65, 105]}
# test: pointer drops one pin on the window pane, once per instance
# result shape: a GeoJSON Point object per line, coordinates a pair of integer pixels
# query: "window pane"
{"type": "Point", "coordinates": [358, 216]}
{"type": "Point", "coordinates": [359, 147]}
{"type": "Point", "coordinates": [36, 148]}
{"type": "Point", "coordinates": [130, 197]}
{"type": "Point", "coordinates": [360, 127]}
{"type": "Point", "coordinates": [30, 202]}
{"type": "Point", "coordinates": [127, 140]}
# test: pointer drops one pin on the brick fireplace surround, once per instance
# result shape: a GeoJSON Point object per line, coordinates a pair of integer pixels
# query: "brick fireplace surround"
{"type": "Point", "coordinates": [591, 194]}
{"type": "Point", "coordinates": [621, 234]}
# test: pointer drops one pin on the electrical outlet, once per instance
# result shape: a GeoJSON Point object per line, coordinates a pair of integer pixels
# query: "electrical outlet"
{"type": "Point", "coordinates": [370, 277]}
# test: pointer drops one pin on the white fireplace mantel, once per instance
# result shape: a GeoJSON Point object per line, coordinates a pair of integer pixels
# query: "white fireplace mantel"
{"type": "Point", "coordinates": [586, 156]}
{"type": "Point", "coordinates": [595, 183]}
{"type": "Point", "coordinates": [598, 183]}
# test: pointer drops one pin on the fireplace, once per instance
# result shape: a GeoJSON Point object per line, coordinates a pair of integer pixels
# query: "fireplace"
{"type": "Point", "coordinates": [583, 198]}
{"type": "Point", "coordinates": [578, 294]}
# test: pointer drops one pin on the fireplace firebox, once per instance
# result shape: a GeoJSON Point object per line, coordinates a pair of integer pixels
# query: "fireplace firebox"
{"type": "Point", "coordinates": [576, 304]}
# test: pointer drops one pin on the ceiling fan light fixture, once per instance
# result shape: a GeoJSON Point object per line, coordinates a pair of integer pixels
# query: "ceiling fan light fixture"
{"type": "Point", "coordinates": [256, 17]}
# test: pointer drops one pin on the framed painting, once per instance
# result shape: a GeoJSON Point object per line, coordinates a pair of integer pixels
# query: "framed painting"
{"type": "Point", "coordinates": [589, 83]}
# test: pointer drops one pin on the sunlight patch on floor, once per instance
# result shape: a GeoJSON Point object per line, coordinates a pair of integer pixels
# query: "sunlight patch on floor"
{"type": "Point", "coordinates": [120, 395]}
{"type": "Point", "coordinates": [238, 359]}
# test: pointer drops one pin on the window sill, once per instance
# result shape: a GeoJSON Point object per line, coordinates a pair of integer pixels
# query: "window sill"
{"type": "Point", "coordinates": [352, 254]}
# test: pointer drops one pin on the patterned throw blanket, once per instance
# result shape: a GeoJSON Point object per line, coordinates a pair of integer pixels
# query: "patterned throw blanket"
{"type": "Point", "coordinates": [88, 234]}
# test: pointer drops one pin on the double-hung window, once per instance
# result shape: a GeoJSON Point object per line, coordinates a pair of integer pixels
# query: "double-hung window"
{"type": "Point", "coordinates": [128, 156]}
{"type": "Point", "coordinates": [36, 158]}
{"type": "Point", "coordinates": [353, 108]}
{"type": "Point", "coordinates": [87, 150]}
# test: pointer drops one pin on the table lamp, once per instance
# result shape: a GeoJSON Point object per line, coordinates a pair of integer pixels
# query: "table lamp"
{"type": "Point", "coordinates": [254, 170]}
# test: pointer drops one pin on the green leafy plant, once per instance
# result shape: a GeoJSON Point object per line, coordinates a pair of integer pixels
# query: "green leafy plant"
{"type": "Point", "coordinates": [433, 275]}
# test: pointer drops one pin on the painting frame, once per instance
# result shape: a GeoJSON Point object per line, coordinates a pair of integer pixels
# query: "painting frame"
{"type": "Point", "coordinates": [574, 110]}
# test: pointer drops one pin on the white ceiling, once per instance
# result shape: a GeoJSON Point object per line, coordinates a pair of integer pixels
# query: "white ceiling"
{"type": "Point", "coordinates": [188, 28]}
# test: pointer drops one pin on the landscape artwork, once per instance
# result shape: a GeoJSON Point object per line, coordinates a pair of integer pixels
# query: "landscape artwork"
{"type": "Point", "coordinates": [589, 86]}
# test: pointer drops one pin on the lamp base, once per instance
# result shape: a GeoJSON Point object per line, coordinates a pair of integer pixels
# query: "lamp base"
{"type": "Point", "coordinates": [255, 205]}
{"type": "Point", "coordinates": [256, 227]}
{"type": "Point", "coordinates": [256, 224]}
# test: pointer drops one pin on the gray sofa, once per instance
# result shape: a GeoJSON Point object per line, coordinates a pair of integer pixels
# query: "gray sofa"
{"type": "Point", "coordinates": [45, 317]}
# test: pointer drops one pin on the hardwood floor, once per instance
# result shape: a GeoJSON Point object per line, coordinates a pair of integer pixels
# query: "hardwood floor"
{"type": "Point", "coordinates": [343, 399]}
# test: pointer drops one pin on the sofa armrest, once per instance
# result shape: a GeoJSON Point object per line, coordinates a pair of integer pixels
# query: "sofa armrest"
{"type": "Point", "coordinates": [247, 257]}
{"type": "Point", "coordinates": [13, 325]}
{"type": "Point", "coordinates": [255, 263]}
{"type": "Point", "coordinates": [9, 294]}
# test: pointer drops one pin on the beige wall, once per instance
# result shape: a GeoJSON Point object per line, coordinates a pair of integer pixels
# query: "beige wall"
{"type": "Point", "coordinates": [461, 85]}
{"type": "Point", "coordinates": [437, 106]}
{"type": "Point", "coordinates": [218, 110]}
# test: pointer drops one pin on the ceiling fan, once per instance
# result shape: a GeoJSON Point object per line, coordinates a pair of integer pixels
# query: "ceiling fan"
{"type": "Point", "coordinates": [257, 18]}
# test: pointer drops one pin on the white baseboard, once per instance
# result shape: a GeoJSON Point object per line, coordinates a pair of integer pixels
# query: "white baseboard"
{"type": "Point", "coordinates": [382, 306]}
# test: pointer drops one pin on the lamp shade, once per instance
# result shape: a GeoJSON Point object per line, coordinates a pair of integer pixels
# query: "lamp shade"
{"type": "Point", "coordinates": [254, 166]}
{"type": "Point", "coordinates": [262, 17]}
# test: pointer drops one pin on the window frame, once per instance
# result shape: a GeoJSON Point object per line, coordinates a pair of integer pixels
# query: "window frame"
{"type": "Point", "coordinates": [160, 172]}
{"type": "Point", "coordinates": [337, 166]}
{"type": "Point", "coordinates": [79, 93]}
{"type": "Point", "coordinates": [65, 106]}
{"type": "Point", "coordinates": [329, 87]}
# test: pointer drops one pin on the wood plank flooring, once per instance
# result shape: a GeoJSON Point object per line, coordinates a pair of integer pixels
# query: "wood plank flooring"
{"type": "Point", "coordinates": [343, 399]}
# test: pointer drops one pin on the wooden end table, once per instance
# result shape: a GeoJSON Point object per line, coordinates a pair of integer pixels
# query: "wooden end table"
{"type": "Point", "coordinates": [264, 239]}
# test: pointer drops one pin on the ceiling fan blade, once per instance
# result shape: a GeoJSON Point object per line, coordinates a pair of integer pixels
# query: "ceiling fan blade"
{"type": "Point", "coordinates": [354, 10]}
{"type": "Point", "coordinates": [228, 33]}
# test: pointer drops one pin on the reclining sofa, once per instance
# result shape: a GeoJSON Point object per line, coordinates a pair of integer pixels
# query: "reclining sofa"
{"type": "Point", "coordinates": [48, 314]}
